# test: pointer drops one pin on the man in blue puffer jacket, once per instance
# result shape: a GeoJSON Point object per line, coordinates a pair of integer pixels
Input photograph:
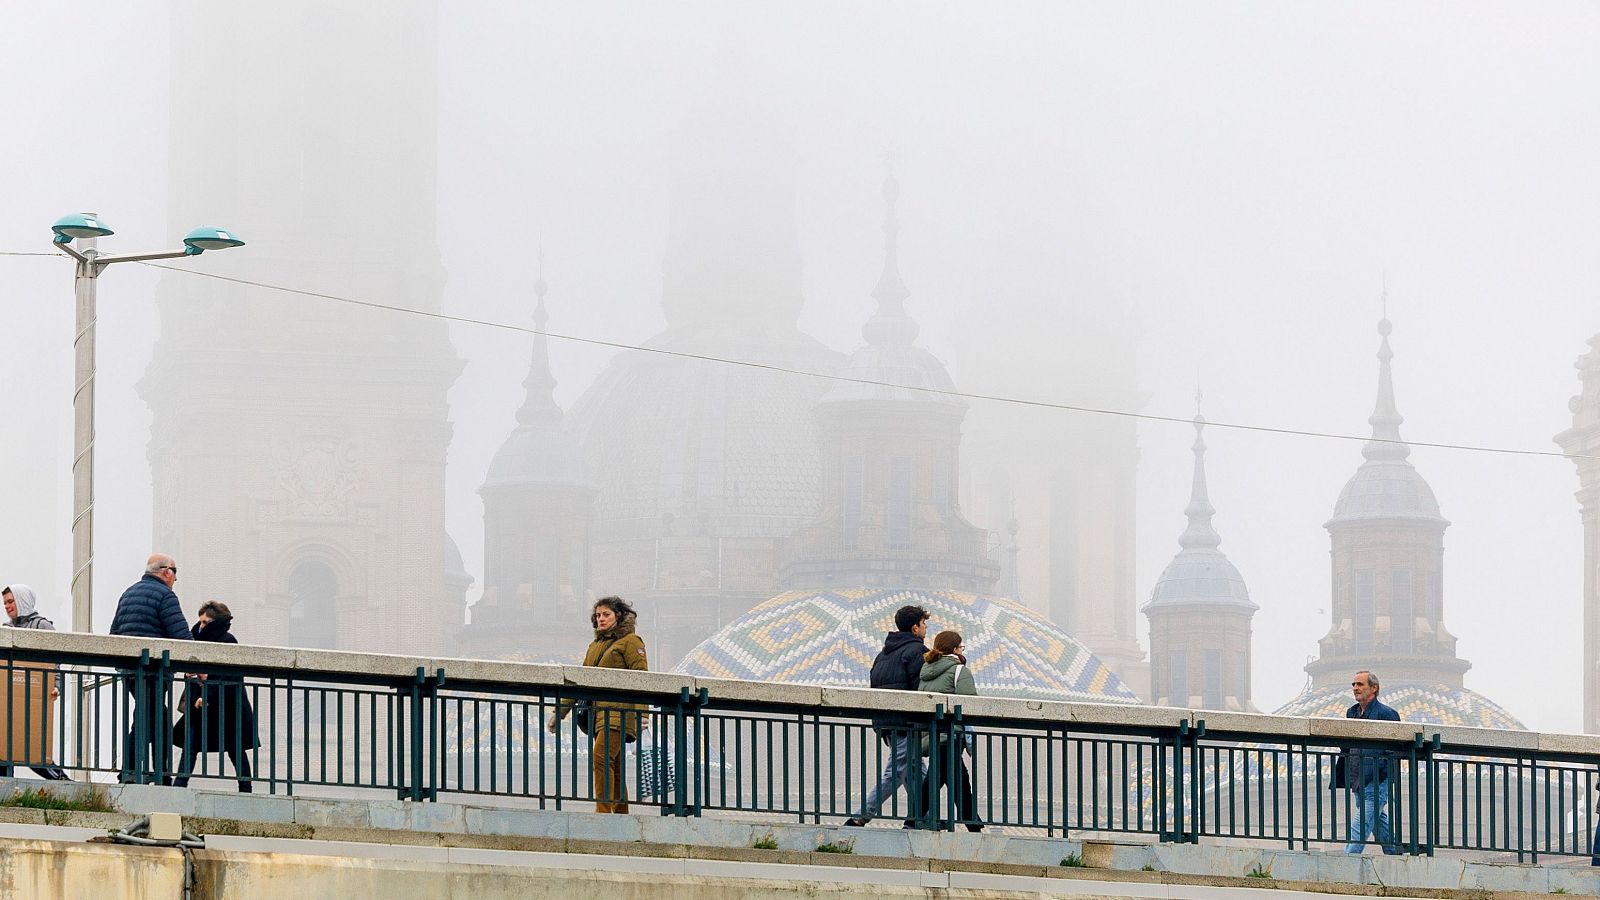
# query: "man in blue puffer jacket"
{"type": "Point", "coordinates": [149, 608]}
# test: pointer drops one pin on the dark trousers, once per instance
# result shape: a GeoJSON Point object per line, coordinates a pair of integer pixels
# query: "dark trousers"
{"type": "Point", "coordinates": [954, 777]}
{"type": "Point", "coordinates": [241, 767]}
{"type": "Point", "coordinates": [156, 722]}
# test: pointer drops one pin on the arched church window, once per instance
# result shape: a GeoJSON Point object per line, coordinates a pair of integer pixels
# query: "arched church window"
{"type": "Point", "coordinates": [854, 492]}
{"type": "Point", "coordinates": [313, 620]}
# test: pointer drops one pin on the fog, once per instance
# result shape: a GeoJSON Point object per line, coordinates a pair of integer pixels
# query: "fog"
{"type": "Point", "coordinates": [1232, 188]}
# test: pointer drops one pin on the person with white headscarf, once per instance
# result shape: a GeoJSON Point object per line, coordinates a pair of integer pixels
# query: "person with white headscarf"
{"type": "Point", "coordinates": [22, 612]}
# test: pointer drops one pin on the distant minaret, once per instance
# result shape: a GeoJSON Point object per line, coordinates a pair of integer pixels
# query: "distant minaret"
{"type": "Point", "coordinates": [890, 462]}
{"type": "Point", "coordinates": [1388, 563]}
{"type": "Point", "coordinates": [298, 444]}
{"type": "Point", "coordinates": [1200, 612]}
{"type": "Point", "coordinates": [538, 503]}
{"type": "Point", "coordinates": [1584, 440]}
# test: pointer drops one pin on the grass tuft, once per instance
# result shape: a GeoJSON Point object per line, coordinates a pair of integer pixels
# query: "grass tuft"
{"type": "Point", "coordinates": [1259, 872]}
{"type": "Point", "coordinates": [1073, 860]}
{"type": "Point", "coordinates": [92, 800]}
{"type": "Point", "coordinates": [1148, 868]}
{"type": "Point", "coordinates": [766, 842]}
{"type": "Point", "coordinates": [837, 847]}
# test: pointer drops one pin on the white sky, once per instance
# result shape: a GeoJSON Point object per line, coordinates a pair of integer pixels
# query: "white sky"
{"type": "Point", "coordinates": [1246, 174]}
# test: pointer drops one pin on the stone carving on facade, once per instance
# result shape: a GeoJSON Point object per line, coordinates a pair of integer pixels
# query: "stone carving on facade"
{"type": "Point", "coordinates": [318, 477]}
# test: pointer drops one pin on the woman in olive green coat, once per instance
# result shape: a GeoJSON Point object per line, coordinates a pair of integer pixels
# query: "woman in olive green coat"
{"type": "Point", "coordinates": [944, 671]}
{"type": "Point", "coordinates": [612, 725]}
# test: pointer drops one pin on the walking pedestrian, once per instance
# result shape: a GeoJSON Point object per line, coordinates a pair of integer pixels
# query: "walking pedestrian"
{"type": "Point", "coordinates": [217, 715]}
{"type": "Point", "coordinates": [22, 612]}
{"type": "Point", "coordinates": [150, 608]}
{"type": "Point", "coordinates": [611, 725]}
{"type": "Point", "coordinates": [1366, 772]}
{"type": "Point", "coordinates": [898, 667]}
{"type": "Point", "coordinates": [945, 671]}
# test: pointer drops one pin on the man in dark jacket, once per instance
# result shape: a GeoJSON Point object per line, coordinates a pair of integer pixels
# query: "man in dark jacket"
{"type": "Point", "coordinates": [149, 608]}
{"type": "Point", "coordinates": [1366, 772]}
{"type": "Point", "coordinates": [898, 667]}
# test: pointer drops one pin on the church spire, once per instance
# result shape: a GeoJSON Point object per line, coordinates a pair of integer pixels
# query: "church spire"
{"type": "Point", "coordinates": [540, 405]}
{"type": "Point", "coordinates": [1200, 535]}
{"type": "Point", "coordinates": [1385, 419]}
{"type": "Point", "coordinates": [890, 324]}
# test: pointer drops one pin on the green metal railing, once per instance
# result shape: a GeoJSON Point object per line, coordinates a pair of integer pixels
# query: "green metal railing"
{"type": "Point", "coordinates": [423, 734]}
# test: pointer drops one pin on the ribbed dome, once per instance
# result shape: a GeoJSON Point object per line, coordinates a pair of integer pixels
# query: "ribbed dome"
{"type": "Point", "coordinates": [1200, 573]}
{"type": "Point", "coordinates": [831, 638]}
{"type": "Point", "coordinates": [910, 366]}
{"type": "Point", "coordinates": [665, 434]}
{"type": "Point", "coordinates": [1200, 576]}
{"type": "Point", "coordinates": [1386, 489]}
{"type": "Point", "coordinates": [1433, 703]}
{"type": "Point", "coordinates": [1386, 486]}
{"type": "Point", "coordinates": [889, 355]}
{"type": "Point", "coordinates": [538, 455]}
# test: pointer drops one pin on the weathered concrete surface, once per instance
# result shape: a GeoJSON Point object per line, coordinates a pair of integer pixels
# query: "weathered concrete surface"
{"type": "Point", "coordinates": [240, 868]}
{"type": "Point", "coordinates": [448, 825]}
{"type": "Point", "coordinates": [48, 869]}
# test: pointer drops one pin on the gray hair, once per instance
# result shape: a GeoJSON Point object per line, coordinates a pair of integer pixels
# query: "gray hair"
{"type": "Point", "coordinates": [1372, 679]}
{"type": "Point", "coordinates": [157, 562]}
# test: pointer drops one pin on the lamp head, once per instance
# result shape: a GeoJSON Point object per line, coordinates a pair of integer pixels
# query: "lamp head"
{"type": "Point", "coordinates": [79, 225]}
{"type": "Point", "coordinates": [207, 238]}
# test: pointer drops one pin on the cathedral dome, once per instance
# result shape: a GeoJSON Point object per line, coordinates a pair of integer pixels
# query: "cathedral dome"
{"type": "Point", "coordinates": [910, 366]}
{"type": "Point", "coordinates": [538, 452]}
{"type": "Point", "coordinates": [1386, 486]}
{"type": "Point", "coordinates": [831, 638]}
{"type": "Point", "coordinates": [1200, 573]}
{"type": "Point", "coordinates": [1430, 702]}
{"type": "Point", "coordinates": [669, 434]}
{"type": "Point", "coordinates": [537, 455]}
{"type": "Point", "coordinates": [1386, 489]}
{"type": "Point", "coordinates": [1201, 576]}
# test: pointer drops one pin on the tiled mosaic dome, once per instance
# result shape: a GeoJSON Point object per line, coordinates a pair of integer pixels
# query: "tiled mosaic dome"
{"type": "Point", "coordinates": [1433, 703]}
{"type": "Point", "coordinates": [831, 637]}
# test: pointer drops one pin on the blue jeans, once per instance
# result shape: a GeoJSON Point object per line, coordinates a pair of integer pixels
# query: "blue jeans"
{"type": "Point", "coordinates": [1370, 814]}
{"type": "Point", "coordinates": [904, 759]}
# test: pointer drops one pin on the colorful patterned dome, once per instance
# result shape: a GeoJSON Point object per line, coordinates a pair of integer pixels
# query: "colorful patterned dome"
{"type": "Point", "coordinates": [831, 637]}
{"type": "Point", "coordinates": [1435, 704]}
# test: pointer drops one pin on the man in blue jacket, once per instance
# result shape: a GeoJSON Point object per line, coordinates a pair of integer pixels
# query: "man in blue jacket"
{"type": "Point", "coordinates": [149, 608]}
{"type": "Point", "coordinates": [1366, 772]}
{"type": "Point", "coordinates": [898, 667]}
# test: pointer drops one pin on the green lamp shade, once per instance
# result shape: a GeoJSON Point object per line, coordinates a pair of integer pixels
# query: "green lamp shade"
{"type": "Point", "coordinates": [79, 225]}
{"type": "Point", "coordinates": [207, 238]}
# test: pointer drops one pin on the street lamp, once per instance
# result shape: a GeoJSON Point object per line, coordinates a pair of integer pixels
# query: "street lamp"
{"type": "Point", "coordinates": [86, 227]}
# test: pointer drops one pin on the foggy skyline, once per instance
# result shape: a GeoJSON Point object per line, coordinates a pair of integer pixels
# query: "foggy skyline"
{"type": "Point", "coordinates": [1247, 178]}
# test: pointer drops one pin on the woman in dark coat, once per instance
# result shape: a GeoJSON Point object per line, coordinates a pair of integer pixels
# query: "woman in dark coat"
{"type": "Point", "coordinates": [217, 716]}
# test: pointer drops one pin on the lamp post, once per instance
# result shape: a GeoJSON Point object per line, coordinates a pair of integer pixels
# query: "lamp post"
{"type": "Point", "coordinates": [87, 227]}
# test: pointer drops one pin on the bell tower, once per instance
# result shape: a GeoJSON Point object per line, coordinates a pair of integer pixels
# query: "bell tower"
{"type": "Point", "coordinates": [298, 444]}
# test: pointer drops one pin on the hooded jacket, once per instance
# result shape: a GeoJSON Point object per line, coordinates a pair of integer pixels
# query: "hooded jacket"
{"type": "Point", "coordinates": [617, 647]}
{"type": "Point", "coordinates": [27, 615]}
{"type": "Point", "coordinates": [897, 668]}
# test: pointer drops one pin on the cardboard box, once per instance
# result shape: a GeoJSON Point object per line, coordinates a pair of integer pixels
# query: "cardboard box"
{"type": "Point", "coordinates": [29, 713]}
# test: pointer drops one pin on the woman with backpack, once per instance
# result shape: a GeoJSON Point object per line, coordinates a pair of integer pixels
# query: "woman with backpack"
{"type": "Point", "coordinates": [944, 671]}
